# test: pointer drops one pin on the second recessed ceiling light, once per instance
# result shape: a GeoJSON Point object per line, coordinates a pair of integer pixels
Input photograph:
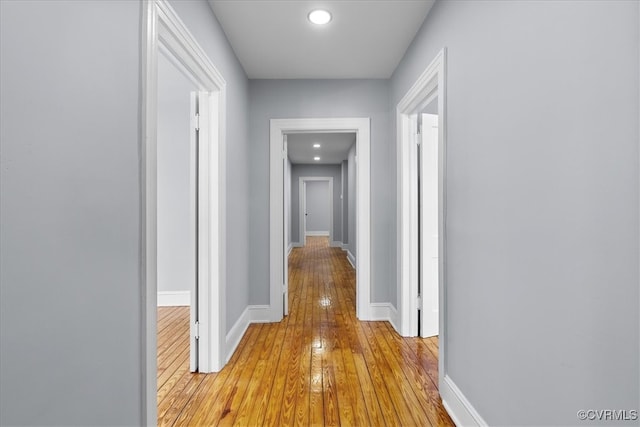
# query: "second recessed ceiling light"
{"type": "Point", "coordinates": [319, 17]}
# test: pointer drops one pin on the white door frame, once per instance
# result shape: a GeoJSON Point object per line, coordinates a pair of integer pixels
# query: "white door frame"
{"type": "Point", "coordinates": [429, 86]}
{"type": "Point", "coordinates": [303, 204]}
{"type": "Point", "coordinates": [163, 29]}
{"type": "Point", "coordinates": [278, 256]}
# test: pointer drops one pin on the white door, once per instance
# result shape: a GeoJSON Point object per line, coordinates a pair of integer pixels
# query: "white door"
{"type": "Point", "coordinates": [201, 160]}
{"type": "Point", "coordinates": [429, 226]}
{"type": "Point", "coordinates": [285, 243]}
{"type": "Point", "coordinates": [193, 229]}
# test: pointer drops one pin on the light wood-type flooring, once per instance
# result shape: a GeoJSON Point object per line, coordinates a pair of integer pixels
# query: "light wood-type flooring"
{"type": "Point", "coordinates": [318, 366]}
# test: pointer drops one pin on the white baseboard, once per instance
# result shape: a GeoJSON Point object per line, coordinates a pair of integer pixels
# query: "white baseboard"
{"type": "Point", "coordinates": [251, 314]}
{"type": "Point", "coordinates": [384, 311]}
{"type": "Point", "coordinates": [290, 248]}
{"type": "Point", "coordinates": [379, 311]}
{"type": "Point", "coordinates": [317, 233]}
{"type": "Point", "coordinates": [459, 408]}
{"type": "Point", "coordinates": [336, 244]}
{"type": "Point", "coordinates": [351, 259]}
{"type": "Point", "coordinates": [174, 298]}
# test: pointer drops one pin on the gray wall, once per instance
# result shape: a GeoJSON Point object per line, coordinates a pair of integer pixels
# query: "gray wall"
{"type": "Point", "coordinates": [314, 170]}
{"type": "Point", "coordinates": [202, 23]}
{"type": "Point", "coordinates": [542, 192]}
{"type": "Point", "coordinates": [70, 213]}
{"type": "Point", "coordinates": [176, 216]}
{"type": "Point", "coordinates": [317, 207]}
{"type": "Point", "coordinates": [70, 210]}
{"type": "Point", "coordinates": [272, 99]}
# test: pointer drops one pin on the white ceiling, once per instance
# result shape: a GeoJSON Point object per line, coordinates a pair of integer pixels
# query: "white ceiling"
{"type": "Point", "coordinates": [334, 147]}
{"type": "Point", "coordinates": [365, 39]}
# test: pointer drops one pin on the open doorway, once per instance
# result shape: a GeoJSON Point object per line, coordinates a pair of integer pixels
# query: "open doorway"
{"type": "Point", "coordinates": [316, 194]}
{"type": "Point", "coordinates": [315, 213]}
{"type": "Point", "coordinates": [177, 237]}
{"type": "Point", "coordinates": [165, 34]}
{"type": "Point", "coordinates": [421, 123]}
{"type": "Point", "coordinates": [281, 132]}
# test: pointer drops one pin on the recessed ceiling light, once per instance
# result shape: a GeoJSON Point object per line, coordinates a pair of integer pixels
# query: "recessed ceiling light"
{"type": "Point", "coordinates": [316, 145]}
{"type": "Point", "coordinates": [316, 158]}
{"type": "Point", "coordinates": [319, 17]}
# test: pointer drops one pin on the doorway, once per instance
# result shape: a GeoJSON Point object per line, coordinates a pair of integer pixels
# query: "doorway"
{"type": "Point", "coordinates": [177, 158]}
{"type": "Point", "coordinates": [421, 123]}
{"type": "Point", "coordinates": [280, 128]}
{"type": "Point", "coordinates": [164, 33]}
{"type": "Point", "coordinates": [316, 207]}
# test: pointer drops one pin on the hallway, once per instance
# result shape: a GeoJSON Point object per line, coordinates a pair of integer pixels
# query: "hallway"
{"type": "Point", "coordinates": [319, 366]}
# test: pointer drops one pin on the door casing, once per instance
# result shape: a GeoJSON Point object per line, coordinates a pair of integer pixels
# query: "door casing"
{"type": "Point", "coordinates": [429, 86]}
{"type": "Point", "coordinates": [278, 251]}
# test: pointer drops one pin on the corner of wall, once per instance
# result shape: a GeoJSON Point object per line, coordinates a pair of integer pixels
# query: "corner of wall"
{"type": "Point", "coordinates": [458, 406]}
{"type": "Point", "coordinates": [251, 314]}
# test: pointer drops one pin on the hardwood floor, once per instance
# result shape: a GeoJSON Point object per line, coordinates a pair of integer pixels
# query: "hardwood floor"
{"type": "Point", "coordinates": [318, 366]}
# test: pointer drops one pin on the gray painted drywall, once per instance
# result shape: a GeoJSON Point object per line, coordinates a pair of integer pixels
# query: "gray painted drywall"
{"type": "Point", "coordinates": [542, 199]}
{"type": "Point", "coordinates": [317, 201]}
{"type": "Point", "coordinates": [70, 213]}
{"type": "Point", "coordinates": [176, 227]}
{"type": "Point", "coordinates": [351, 202]}
{"type": "Point", "coordinates": [203, 25]}
{"type": "Point", "coordinates": [70, 210]}
{"type": "Point", "coordinates": [314, 171]}
{"type": "Point", "coordinates": [431, 108]}
{"type": "Point", "coordinates": [272, 99]}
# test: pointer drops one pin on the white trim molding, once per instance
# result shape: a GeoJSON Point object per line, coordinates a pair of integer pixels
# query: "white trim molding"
{"type": "Point", "coordinates": [352, 260]}
{"type": "Point", "coordinates": [429, 86]}
{"type": "Point", "coordinates": [174, 298]}
{"type": "Point", "coordinates": [251, 314]}
{"type": "Point", "coordinates": [278, 261]}
{"type": "Point", "coordinates": [336, 244]}
{"type": "Point", "coordinates": [317, 233]}
{"type": "Point", "coordinates": [458, 406]}
{"type": "Point", "coordinates": [163, 31]}
{"type": "Point", "coordinates": [384, 311]}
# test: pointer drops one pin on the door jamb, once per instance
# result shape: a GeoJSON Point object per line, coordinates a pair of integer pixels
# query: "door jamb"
{"type": "Point", "coordinates": [163, 29]}
{"type": "Point", "coordinates": [431, 84]}
{"type": "Point", "coordinates": [277, 259]}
